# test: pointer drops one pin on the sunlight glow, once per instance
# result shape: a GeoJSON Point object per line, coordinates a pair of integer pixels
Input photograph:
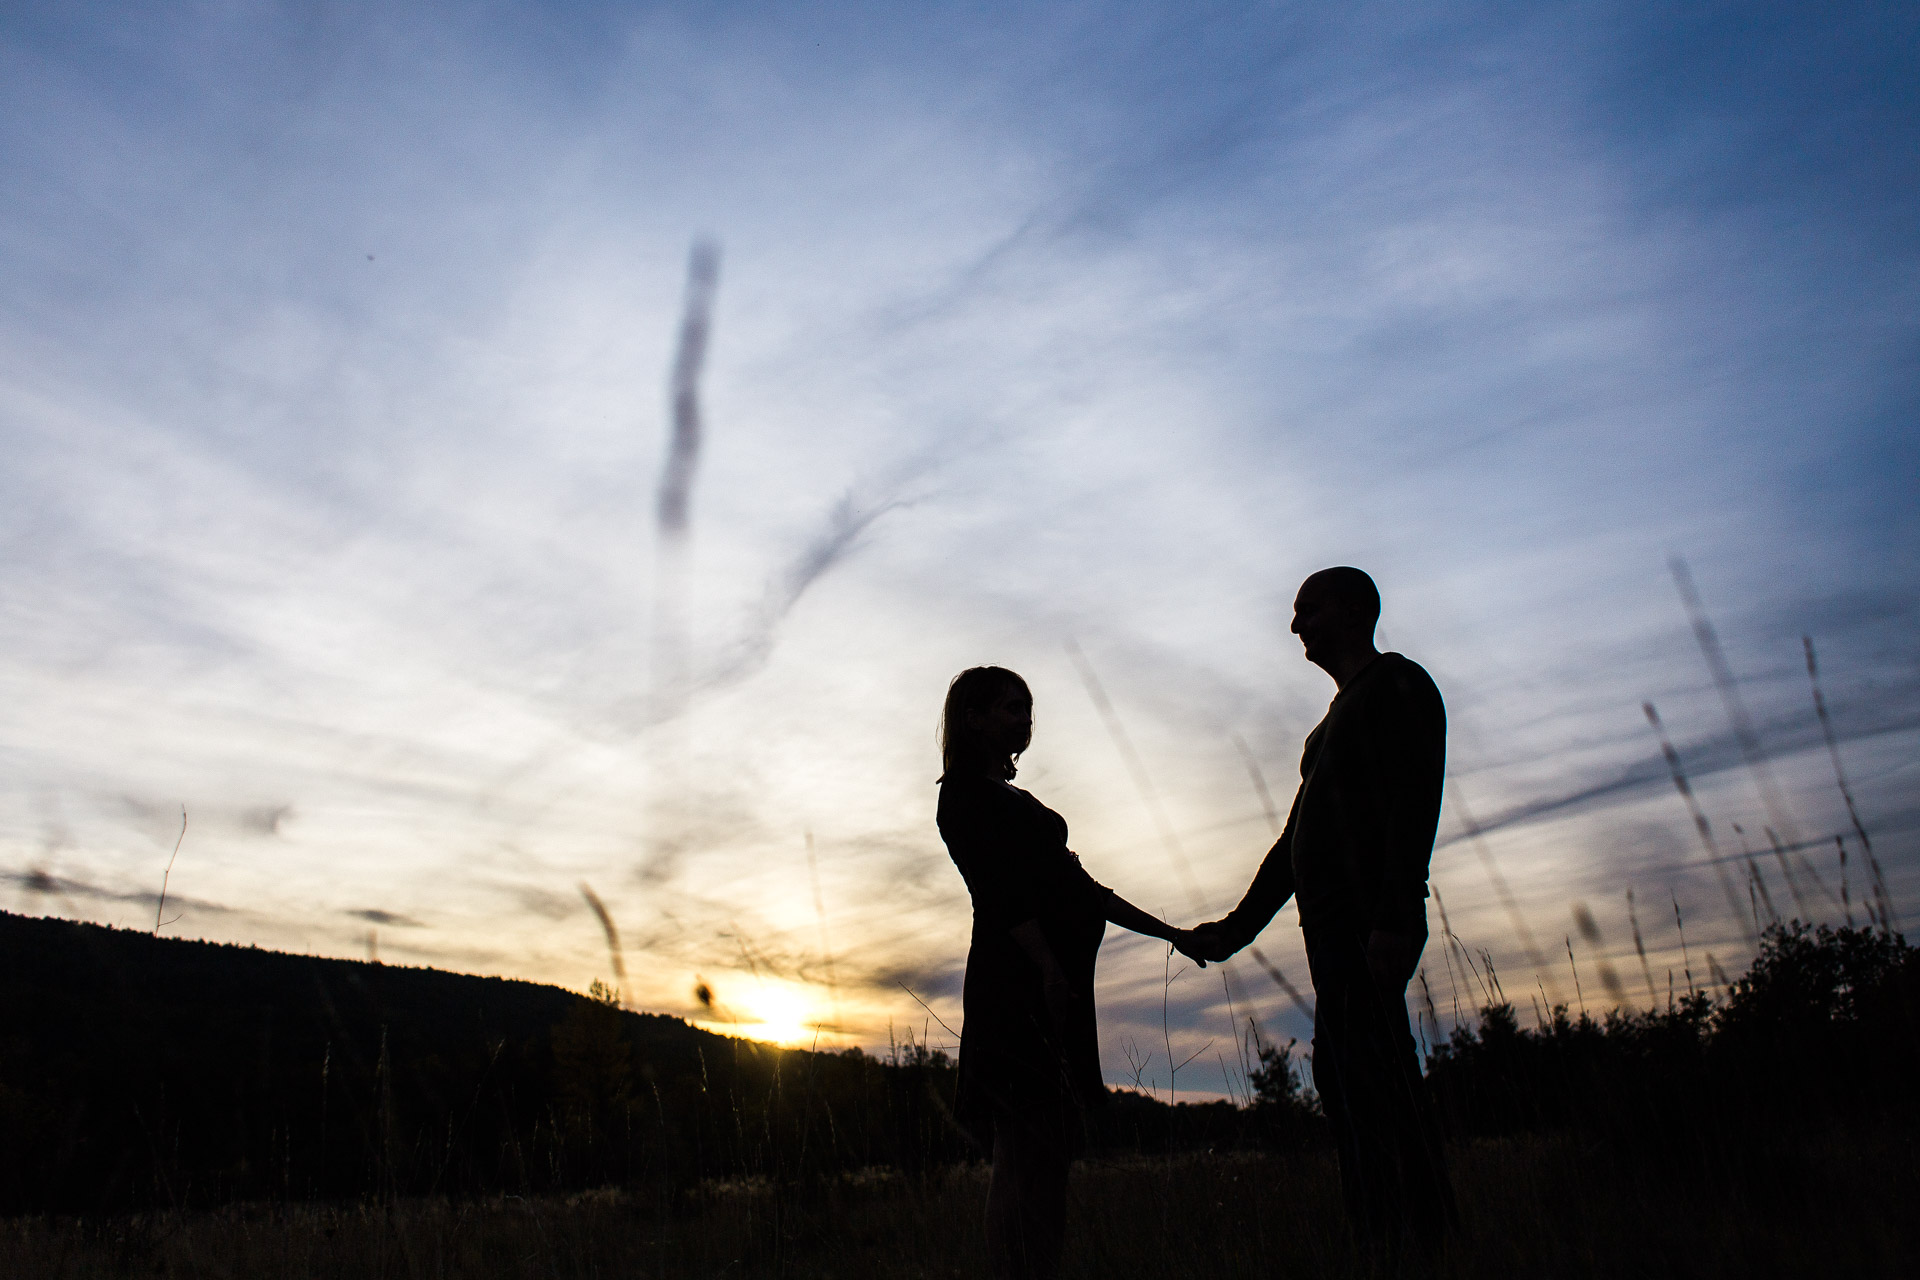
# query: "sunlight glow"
{"type": "Point", "coordinates": [779, 1013]}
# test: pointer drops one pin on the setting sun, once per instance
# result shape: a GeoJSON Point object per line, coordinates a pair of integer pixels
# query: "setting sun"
{"type": "Point", "coordinates": [779, 1013]}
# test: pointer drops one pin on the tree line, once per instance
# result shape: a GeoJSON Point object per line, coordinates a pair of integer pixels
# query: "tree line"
{"type": "Point", "coordinates": [138, 1071]}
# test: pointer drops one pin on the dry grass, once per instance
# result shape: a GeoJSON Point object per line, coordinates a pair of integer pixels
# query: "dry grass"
{"type": "Point", "coordinates": [1832, 1202]}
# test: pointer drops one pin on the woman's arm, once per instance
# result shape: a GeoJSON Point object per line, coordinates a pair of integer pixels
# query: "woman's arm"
{"type": "Point", "coordinates": [1034, 943]}
{"type": "Point", "coordinates": [1059, 993]}
{"type": "Point", "coordinates": [1128, 916]}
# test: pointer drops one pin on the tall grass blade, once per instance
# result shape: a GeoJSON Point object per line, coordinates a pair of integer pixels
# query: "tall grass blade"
{"type": "Point", "coordinates": [1840, 781]}
{"type": "Point", "coordinates": [168, 875]}
{"type": "Point", "coordinates": [1640, 947]}
{"type": "Point", "coordinates": [1700, 824]}
{"type": "Point", "coordinates": [826, 950]}
{"type": "Point", "coordinates": [614, 954]}
{"type": "Point", "coordinates": [1771, 797]}
{"type": "Point", "coordinates": [1477, 839]}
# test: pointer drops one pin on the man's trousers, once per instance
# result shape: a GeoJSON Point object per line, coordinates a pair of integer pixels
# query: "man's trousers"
{"type": "Point", "coordinates": [1392, 1168]}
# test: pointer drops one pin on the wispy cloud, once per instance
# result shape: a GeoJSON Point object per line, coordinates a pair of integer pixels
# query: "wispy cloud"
{"type": "Point", "coordinates": [46, 888]}
{"type": "Point", "coordinates": [394, 919]}
{"type": "Point", "coordinates": [342, 481]}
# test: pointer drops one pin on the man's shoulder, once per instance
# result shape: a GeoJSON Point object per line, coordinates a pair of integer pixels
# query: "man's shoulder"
{"type": "Point", "coordinates": [1399, 677]}
{"type": "Point", "coordinates": [1401, 667]}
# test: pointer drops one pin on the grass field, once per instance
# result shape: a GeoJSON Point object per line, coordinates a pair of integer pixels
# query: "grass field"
{"type": "Point", "coordinates": [1830, 1202]}
{"type": "Point", "coordinates": [1773, 1132]}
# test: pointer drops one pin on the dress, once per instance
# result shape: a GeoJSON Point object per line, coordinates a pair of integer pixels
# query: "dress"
{"type": "Point", "coordinates": [1012, 852]}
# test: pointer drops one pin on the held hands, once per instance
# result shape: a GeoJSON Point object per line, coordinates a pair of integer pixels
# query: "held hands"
{"type": "Point", "coordinates": [1184, 942]}
{"type": "Point", "coordinates": [1391, 957]}
{"type": "Point", "coordinates": [1217, 939]}
{"type": "Point", "coordinates": [1204, 942]}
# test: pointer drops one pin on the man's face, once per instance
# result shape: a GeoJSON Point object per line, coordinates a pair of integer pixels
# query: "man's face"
{"type": "Point", "coordinates": [1319, 619]}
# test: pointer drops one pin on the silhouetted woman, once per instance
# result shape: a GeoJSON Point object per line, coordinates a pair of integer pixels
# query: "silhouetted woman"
{"type": "Point", "coordinates": [1029, 1059]}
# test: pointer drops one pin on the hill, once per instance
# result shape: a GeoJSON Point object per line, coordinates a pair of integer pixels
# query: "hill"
{"type": "Point", "coordinates": [137, 1069]}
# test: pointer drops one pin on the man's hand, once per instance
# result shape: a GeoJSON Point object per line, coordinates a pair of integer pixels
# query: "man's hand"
{"type": "Point", "coordinates": [1210, 941]}
{"type": "Point", "coordinates": [1390, 959]}
{"type": "Point", "coordinates": [1189, 946]}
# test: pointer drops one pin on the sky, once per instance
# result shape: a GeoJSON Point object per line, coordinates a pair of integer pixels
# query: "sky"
{"type": "Point", "coordinates": [337, 351]}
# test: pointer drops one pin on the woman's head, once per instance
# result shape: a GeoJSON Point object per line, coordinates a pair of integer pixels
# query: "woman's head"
{"type": "Point", "coordinates": [987, 722]}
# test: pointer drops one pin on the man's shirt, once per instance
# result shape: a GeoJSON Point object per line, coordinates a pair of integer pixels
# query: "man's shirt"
{"type": "Point", "coordinates": [1359, 837]}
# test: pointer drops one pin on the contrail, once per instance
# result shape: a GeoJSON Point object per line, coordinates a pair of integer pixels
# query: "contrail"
{"type": "Point", "coordinates": [749, 651]}
{"type": "Point", "coordinates": [683, 453]}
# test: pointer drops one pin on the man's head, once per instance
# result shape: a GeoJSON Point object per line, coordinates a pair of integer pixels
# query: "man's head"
{"type": "Point", "coordinates": [1334, 616]}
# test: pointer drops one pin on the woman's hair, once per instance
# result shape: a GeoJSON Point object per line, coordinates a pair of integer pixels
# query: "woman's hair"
{"type": "Point", "coordinates": [975, 689]}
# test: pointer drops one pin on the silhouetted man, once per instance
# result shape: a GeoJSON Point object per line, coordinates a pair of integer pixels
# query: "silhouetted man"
{"type": "Point", "coordinates": [1355, 852]}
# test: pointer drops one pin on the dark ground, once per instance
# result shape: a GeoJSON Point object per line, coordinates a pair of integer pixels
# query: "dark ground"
{"type": "Point", "coordinates": [178, 1109]}
{"type": "Point", "coordinates": [1827, 1203]}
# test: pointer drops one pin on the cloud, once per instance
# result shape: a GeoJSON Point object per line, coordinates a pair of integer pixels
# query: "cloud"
{"type": "Point", "coordinates": [1896, 716]}
{"type": "Point", "coordinates": [39, 881]}
{"type": "Point", "coordinates": [747, 651]}
{"type": "Point", "coordinates": [1108, 323]}
{"type": "Point", "coordinates": [544, 903]}
{"type": "Point", "coordinates": [265, 820]}
{"type": "Point", "coordinates": [374, 915]}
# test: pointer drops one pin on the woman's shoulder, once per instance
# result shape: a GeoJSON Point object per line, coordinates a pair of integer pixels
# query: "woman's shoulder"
{"type": "Point", "coordinates": [962, 782]}
{"type": "Point", "coordinates": [974, 791]}
{"type": "Point", "coordinates": [980, 801]}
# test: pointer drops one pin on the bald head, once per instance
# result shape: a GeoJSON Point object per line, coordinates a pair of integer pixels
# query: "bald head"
{"type": "Point", "coordinates": [1334, 616]}
{"type": "Point", "coordinates": [1350, 588]}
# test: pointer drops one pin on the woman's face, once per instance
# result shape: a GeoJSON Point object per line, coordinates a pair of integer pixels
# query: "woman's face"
{"type": "Point", "coordinates": [1006, 724]}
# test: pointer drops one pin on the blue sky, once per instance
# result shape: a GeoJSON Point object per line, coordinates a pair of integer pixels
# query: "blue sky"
{"type": "Point", "coordinates": [334, 345]}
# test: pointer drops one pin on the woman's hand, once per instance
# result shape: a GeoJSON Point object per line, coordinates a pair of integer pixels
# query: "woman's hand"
{"type": "Point", "coordinates": [1188, 945]}
{"type": "Point", "coordinates": [1062, 1000]}
{"type": "Point", "coordinates": [1059, 994]}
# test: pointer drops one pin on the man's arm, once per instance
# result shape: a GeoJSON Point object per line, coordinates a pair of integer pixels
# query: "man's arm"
{"type": "Point", "coordinates": [1272, 886]}
{"type": "Point", "coordinates": [1409, 732]}
{"type": "Point", "coordinates": [1411, 756]}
